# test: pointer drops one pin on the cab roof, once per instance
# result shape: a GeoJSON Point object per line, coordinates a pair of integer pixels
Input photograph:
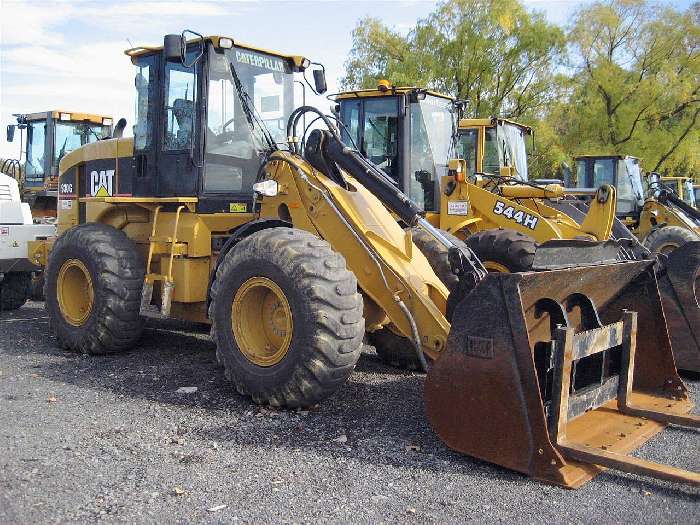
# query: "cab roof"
{"type": "Point", "coordinates": [611, 156]}
{"type": "Point", "coordinates": [385, 89]}
{"type": "Point", "coordinates": [491, 121]}
{"type": "Point", "coordinates": [75, 116]}
{"type": "Point", "coordinates": [299, 61]}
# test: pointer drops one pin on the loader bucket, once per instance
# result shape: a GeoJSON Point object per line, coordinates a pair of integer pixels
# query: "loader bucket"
{"type": "Point", "coordinates": [578, 373]}
{"type": "Point", "coordinates": [679, 283]}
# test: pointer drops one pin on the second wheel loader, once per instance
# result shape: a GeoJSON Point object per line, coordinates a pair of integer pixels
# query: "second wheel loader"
{"type": "Point", "coordinates": [50, 135]}
{"type": "Point", "coordinates": [214, 211]}
{"type": "Point", "coordinates": [486, 199]}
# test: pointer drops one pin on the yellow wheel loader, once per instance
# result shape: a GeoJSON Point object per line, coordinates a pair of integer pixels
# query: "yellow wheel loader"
{"type": "Point", "coordinates": [217, 210]}
{"type": "Point", "coordinates": [50, 135]}
{"type": "Point", "coordinates": [487, 200]}
{"type": "Point", "coordinates": [660, 211]}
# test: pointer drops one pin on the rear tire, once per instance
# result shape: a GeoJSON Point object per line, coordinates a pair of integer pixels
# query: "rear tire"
{"type": "Point", "coordinates": [502, 250]}
{"type": "Point", "coordinates": [394, 350]}
{"type": "Point", "coordinates": [14, 290]}
{"type": "Point", "coordinates": [37, 287]}
{"type": "Point", "coordinates": [668, 238]}
{"type": "Point", "coordinates": [287, 318]}
{"type": "Point", "coordinates": [93, 284]}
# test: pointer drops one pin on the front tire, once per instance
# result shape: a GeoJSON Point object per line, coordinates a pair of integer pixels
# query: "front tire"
{"type": "Point", "coordinates": [396, 350]}
{"type": "Point", "coordinates": [503, 251]}
{"type": "Point", "coordinates": [14, 290]}
{"type": "Point", "coordinates": [668, 238]}
{"type": "Point", "coordinates": [93, 284]}
{"type": "Point", "coordinates": [286, 318]}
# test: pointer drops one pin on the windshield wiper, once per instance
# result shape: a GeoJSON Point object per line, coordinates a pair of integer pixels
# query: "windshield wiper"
{"type": "Point", "coordinates": [250, 112]}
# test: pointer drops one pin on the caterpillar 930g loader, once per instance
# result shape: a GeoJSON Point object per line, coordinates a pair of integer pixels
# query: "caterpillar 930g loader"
{"type": "Point", "coordinates": [486, 199]}
{"type": "Point", "coordinates": [50, 135]}
{"type": "Point", "coordinates": [214, 211]}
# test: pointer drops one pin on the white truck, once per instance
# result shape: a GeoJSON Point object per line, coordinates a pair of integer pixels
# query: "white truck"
{"type": "Point", "coordinates": [16, 229]}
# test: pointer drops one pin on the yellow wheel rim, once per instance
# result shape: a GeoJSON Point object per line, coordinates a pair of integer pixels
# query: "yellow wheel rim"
{"type": "Point", "coordinates": [495, 267]}
{"type": "Point", "coordinates": [261, 320]}
{"type": "Point", "coordinates": [75, 292]}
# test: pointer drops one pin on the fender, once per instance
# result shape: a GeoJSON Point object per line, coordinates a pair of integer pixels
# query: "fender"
{"type": "Point", "coordinates": [238, 235]}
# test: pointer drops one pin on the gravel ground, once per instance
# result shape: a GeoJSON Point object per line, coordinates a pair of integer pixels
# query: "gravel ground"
{"type": "Point", "coordinates": [110, 439]}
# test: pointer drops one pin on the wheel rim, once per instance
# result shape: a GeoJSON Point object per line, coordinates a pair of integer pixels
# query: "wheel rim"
{"type": "Point", "coordinates": [667, 248]}
{"type": "Point", "coordinates": [261, 320]}
{"type": "Point", "coordinates": [75, 292]}
{"type": "Point", "coordinates": [495, 267]}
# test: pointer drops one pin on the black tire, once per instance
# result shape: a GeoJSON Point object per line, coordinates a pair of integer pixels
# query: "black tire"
{"type": "Point", "coordinates": [508, 249]}
{"type": "Point", "coordinates": [668, 238]}
{"type": "Point", "coordinates": [436, 254]}
{"type": "Point", "coordinates": [37, 287]}
{"type": "Point", "coordinates": [116, 270]}
{"type": "Point", "coordinates": [326, 317]}
{"type": "Point", "coordinates": [14, 290]}
{"type": "Point", "coordinates": [396, 350]}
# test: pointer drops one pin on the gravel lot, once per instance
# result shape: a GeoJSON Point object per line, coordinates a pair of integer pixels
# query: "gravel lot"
{"type": "Point", "coordinates": [110, 439]}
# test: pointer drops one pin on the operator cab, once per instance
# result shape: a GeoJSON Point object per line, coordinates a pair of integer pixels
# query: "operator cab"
{"type": "Point", "coordinates": [50, 136]}
{"type": "Point", "coordinates": [623, 172]}
{"type": "Point", "coordinates": [494, 145]}
{"type": "Point", "coordinates": [208, 113]}
{"type": "Point", "coordinates": [377, 121]}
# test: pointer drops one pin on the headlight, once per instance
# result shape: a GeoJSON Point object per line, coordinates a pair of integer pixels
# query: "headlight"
{"type": "Point", "coordinates": [65, 116]}
{"type": "Point", "coordinates": [225, 43]}
{"type": "Point", "coordinates": [268, 188]}
{"type": "Point", "coordinates": [106, 121]}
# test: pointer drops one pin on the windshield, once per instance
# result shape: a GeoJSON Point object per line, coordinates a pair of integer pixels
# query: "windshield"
{"type": "Point", "coordinates": [431, 138]}
{"type": "Point", "coordinates": [36, 140]}
{"type": "Point", "coordinates": [236, 138]}
{"type": "Point", "coordinates": [72, 135]}
{"type": "Point", "coordinates": [511, 149]}
{"type": "Point", "coordinates": [689, 193]}
{"type": "Point", "coordinates": [630, 192]}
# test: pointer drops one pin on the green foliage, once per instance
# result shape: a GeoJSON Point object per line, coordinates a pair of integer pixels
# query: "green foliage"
{"type": "Point", "coordinates": [624, 79]}
{"type": "Point", "coordinates": [493, 53]}
{"type": "Point", "coordinates": [635, 84]}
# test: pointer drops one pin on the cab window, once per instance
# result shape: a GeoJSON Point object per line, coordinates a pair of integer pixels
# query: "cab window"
{"type": "Point", "coordinates": [468, 140]}
{"type": "Point", "coordinates": [603, 172]}
{"type": "Point", "coordinates": [179, 106]}
{"type": "Point", "coordinates": [491, 160]}
{"type": "Point", "coordinates": [350, 117]}
{"type": "Point", "coordinates": [380, 138]}
{"type": "Point", "coordinates": [36, 139]}
{"type": "Point", "coordinates": [144, 82]}
{"type": "Point", "coordinates": [581, 177]}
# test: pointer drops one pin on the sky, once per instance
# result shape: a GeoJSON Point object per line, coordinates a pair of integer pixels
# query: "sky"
{"type": "Point", "coordinates": [69, 54]}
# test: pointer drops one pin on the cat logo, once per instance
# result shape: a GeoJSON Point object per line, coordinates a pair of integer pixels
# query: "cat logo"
{"type": "Point", "coordinates": [101, 183]}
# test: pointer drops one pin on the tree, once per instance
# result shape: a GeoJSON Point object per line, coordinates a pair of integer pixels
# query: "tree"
{"type": "Point", "coordinates": [635, 87]}
{"type": "Point", "coordinates": [495, 54]}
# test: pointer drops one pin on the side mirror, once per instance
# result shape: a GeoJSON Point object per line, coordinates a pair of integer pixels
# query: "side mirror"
{"type": "Point", "coordinates": [119, 129]}
{"type": "Point", "coordinates": [10, 132]}
{"type": "Point", "coordinates": [320, 81]}
{"type": "Point", "coordinates": [566, 173]}
{"type": "Point", "coordinates": [172, 47]}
